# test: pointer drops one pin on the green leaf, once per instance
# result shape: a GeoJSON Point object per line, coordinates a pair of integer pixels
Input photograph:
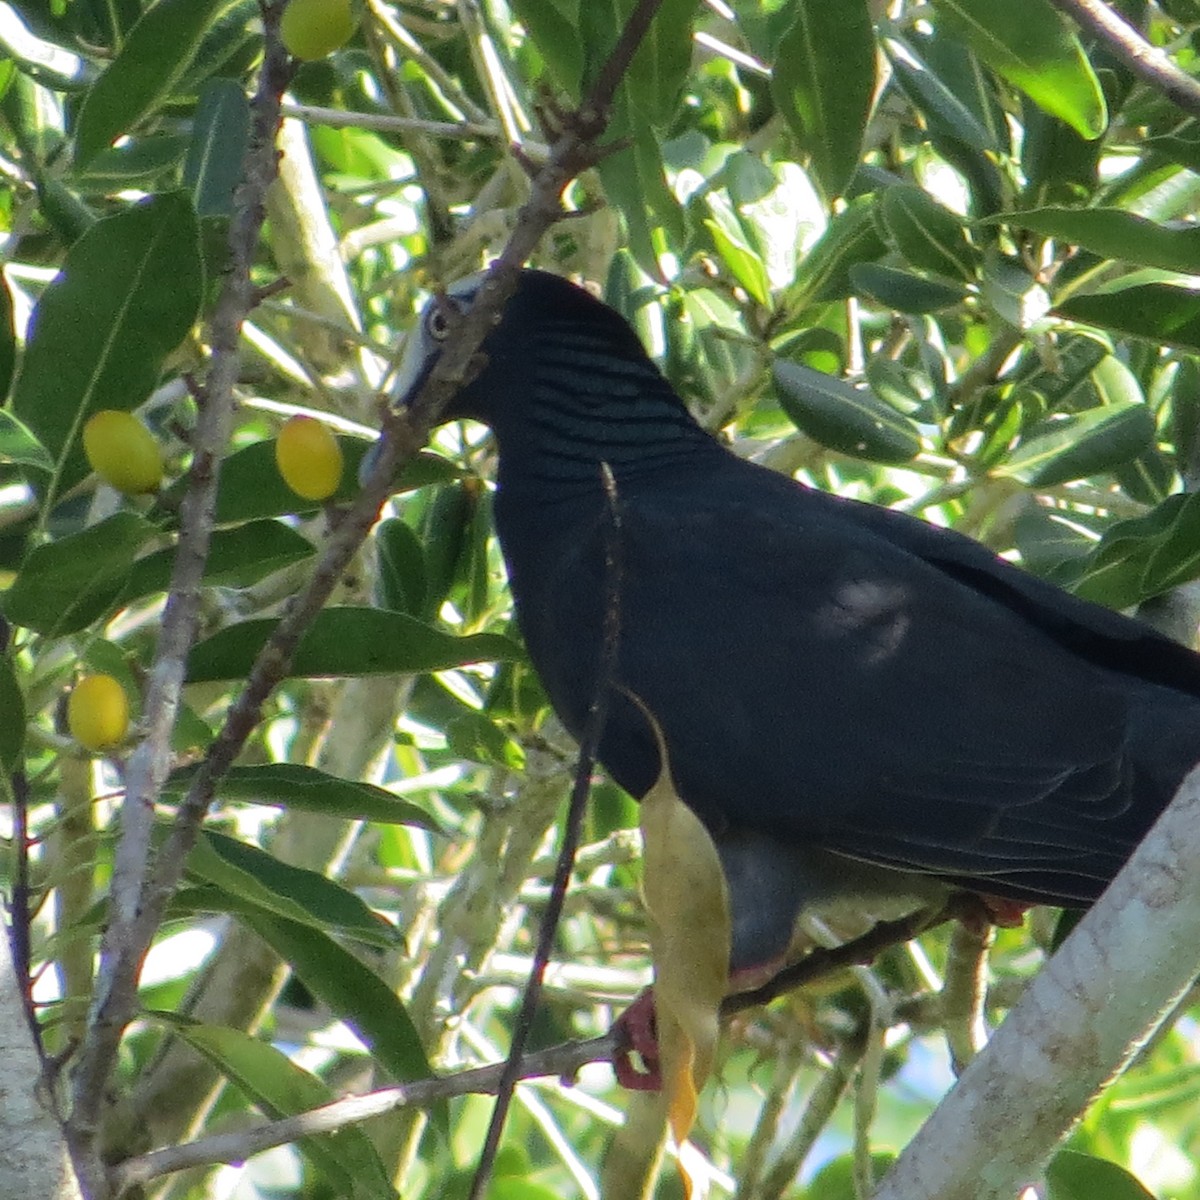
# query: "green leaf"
{"type": "Point", "coordinates": [1174, 559]}
{"type": "Point", "coordinates": [356, 994]}
{"type": "Point", "coordinates": [904, 291]}
{"type": "Point", "coordinates": [1079, 445]}
{"type": "Point", "coordinates": [279, 1087]}
{"type": "Point", "coordinates": [852, 237]}
{"type": "Point", "coordinates": [307, 789]}
{"type": "Point", "coordinates": [8, 344]}
{"type": "Point", "coordinates": [349, 641]}
{"type": "Point", "coordinates": [12, 716]}
{"type": "Point", "coordinates": [139, 162]}
{"type": "Point", "coordinates": [475, 737]}
{"type": "Point", "coordinates": [153, 59]}
{"type": "Point", "coordinates": [251, 487]}
{"type": "Point", "coordinates": [402, 574]}
{"type": "Point", "coordinates": [1113, 573]}
{"type": "Point", "coordinates": [845, 418]}
{"type": "Point", "coordinates": [553, 26]}
{"type": "Point", "coordinates": [960, 106]}
{"type": "Point", "coordinates": [262, 880]}
{"type": "Point", "coordinates": [1113, 233]}
{"type": "Point", "coordinates": [1158, 311]}
{"type": "Point", "coordinates": [220, 132]}
{"type": "Point", "coordinates": [237, 558]}
{"type": "Point", "coordinates": [930, 236]}
{"type": "Point", "coordinates": [1075, 1176]}
{"type": "Point", "coordinates": [127, 295]}
{"type": "Point", "coordinates": [1027, 43]}
{"type": "Point", "coordinates": [743, 263]}
{"type": "Point", "coordinates": [63, 586]}
{"type": "Point", "coordinates": [19, 445]}
{"type": "Point", "coordinates": [823, 80]}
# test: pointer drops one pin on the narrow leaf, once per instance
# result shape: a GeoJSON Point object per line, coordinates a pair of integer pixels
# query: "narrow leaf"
{"type": "Point", "coordinates": [823, 79]}
{"type": "Point", "coordinates": [1030, 45]}
{"type": "Point", "coordinates": [1079, 445]}
{"type": "Point", "coordinates": [307, 789]}
{"type": "Point", "coordinates": [355, 993]}
{"type": "Point", "coordinates": [1113, 233]}
{"type": "Point", "coordinates": [127, 295]}
{"type": "Point", "coordinates": [845, 418]}
{"type": "Point", "coordinates": [279, 888]}
{"type": "Point", "coordinates": [349, 641]}
{"type": "Point", "coordinates": [64, 586]}
{"type": "Point", "coordinates": [220, 130]}
{"type": "Point", "coordinates": [153, 59]}
{"type": "Point", "coordinates": [1158, 311]}
{"type": "Point", "coordinates": [274, 1083]}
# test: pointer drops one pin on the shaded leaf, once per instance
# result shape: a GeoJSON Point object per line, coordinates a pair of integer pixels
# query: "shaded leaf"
{"type": "Point", "coordinates": [126, 297]}
{"type": "Point", "coordinates": [845, 418]}
{"type": "Point", "coordinates": [852, 237]}
{"type": "Point", "coordinates": [356, 994]}
{"type": "Point", "coordinates": [904, 291]}
{"type": "Point", "coordinates": [929, 235]}
{"type": "Point", "coordinates": [1161, 312]}
{"type": "Point", "coordinates": [237, 558]}
{"type": "Point", "coordinates": [220, 131]}
{"type": "Point", "coordinates": [1075, 1176]}
{"type": "Point", "coordinates": [1113, 233]}
{"type": "Point", "coordinates": [151, 62]}
{"type": "Point", "coordinates": [18, 444]}
{"type": "Point", "coordinates": [12, 717]}
{"type": "Point", "coordinates": [1077, 445]}
{"type": "Point", "coordinates": [276, 887]}
{"type": "Point", "coordinates": [63, 586]}
{"type": "Point", "coordinates": [349, 641]}
{"type": "Point", "coordinates": [280, 1088]}
{"type": "Point", "coordinates": [823, 80]}
{"type": "Point", "coordinates": [304, 788]}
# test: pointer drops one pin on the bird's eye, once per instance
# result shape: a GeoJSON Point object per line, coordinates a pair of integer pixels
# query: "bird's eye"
{"type": "Point", "coordinates": [437, 323]}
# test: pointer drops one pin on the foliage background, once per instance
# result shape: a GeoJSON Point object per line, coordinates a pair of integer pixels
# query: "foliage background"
{"type": "Point", "coordinates": [937, 256]}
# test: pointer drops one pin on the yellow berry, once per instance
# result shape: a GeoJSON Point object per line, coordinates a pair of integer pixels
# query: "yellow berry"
{"type": "Point", "coordinates": [314, 28]}
{"type": "Point", "coordinates": [122, 451]}
{"type": "Point", "coordinates": [309, 458]}
{"type": "Point", "coordinates": [98, 712]}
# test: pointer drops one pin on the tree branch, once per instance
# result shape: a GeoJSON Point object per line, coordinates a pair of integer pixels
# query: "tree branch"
{"type": "Point", "coordinates": [128, 932]}
{"type": "Point", "coordinates": [1147, 62]}
{"type": "Point", "coordinates": [564, 1061]}
{"type": "Point", "coordinates": [1113, 981]}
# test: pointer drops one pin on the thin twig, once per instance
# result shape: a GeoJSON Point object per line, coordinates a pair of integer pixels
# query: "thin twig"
{"type": "Point", "coordinates": [588, 747]}
{"type": "Point", "coordinates": [1144, 60]}
{"type": "Point", "coordinates": [127, 937]}
{"type": "Point", "coordinates": [337, 118]}
{"type": "Point", "coordinates": [564, 1061]}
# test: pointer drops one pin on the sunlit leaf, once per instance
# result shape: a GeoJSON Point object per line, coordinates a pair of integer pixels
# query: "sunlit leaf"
{"type": "Point", "coordinates": [1034, 48]}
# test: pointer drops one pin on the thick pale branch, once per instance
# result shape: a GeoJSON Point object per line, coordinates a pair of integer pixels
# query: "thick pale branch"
{"type": "Point", "coordinates": [1095, 1003]}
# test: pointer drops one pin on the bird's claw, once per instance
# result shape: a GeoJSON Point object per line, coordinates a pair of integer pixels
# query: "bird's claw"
{"type": "Point", "coordinates": [639, 1035]}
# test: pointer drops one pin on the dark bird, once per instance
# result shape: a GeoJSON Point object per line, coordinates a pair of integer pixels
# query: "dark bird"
{"type": "Point", "coordinates": [856, 704]}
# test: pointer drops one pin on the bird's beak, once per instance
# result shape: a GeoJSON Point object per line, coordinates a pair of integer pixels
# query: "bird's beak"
{"type": "Point", "coordinates": [412, 372]}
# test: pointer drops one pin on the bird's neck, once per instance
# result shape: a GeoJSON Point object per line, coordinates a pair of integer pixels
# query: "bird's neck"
{"type": "Point", "coordinates": [574, 416]}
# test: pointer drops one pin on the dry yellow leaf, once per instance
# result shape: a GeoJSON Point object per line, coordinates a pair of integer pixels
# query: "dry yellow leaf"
{"type": "Point", "coordinates": [686, 896]}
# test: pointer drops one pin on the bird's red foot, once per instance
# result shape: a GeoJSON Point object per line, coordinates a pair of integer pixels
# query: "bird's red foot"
{"type": "Point", "coordinates": [1008, 914]}
{"type": "Point", "coordinates": [639, 1035]}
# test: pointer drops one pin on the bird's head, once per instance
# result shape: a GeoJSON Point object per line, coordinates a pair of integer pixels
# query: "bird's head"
{"type": "Point", "coordinates": [545, 313]}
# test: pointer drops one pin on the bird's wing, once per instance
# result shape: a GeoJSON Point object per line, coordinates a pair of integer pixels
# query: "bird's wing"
{"type": "Point", "coordinates": [821, 681]}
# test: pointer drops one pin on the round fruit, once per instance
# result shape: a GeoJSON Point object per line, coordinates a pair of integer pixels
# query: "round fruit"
{"type": "Point", "coordinates": [309, 458]}
{"type": "Point", "coordinates": [121, 450]}
{"type": "Point", "coordinates": [98, 712]}
{"type": "Point", "coordinates": [314, 28]}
